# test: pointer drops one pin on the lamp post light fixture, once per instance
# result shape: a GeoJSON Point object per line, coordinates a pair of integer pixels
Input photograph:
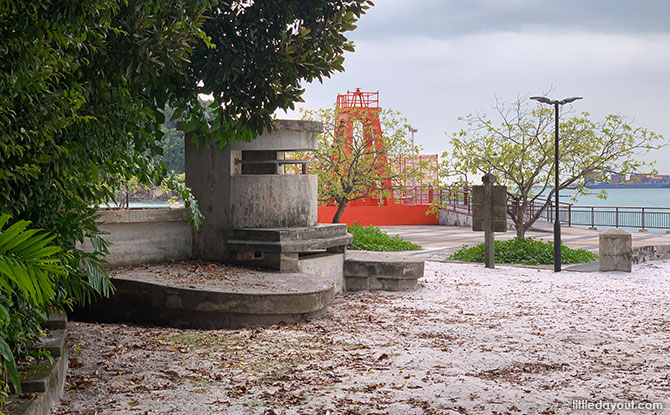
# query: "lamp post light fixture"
{"type": "Point", "coordinates": [557, 222]}
{"type": "Point", "coordinates": [412, 130]}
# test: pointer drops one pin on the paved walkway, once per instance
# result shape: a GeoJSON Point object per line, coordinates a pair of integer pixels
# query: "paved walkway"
{"type": "Point", "coordinates": [448, 239]}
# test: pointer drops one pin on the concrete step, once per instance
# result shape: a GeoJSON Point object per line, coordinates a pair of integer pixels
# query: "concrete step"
{"type": "Point", "coordinates": [321, 231]}
{"type": "Point", "coordinates": [300, 245]}
{"type": "Point", "coordinates": [381, 271]}
{"type": "Point", "coordinates": [45, 379]}
{"type": "Point", "coordinates": [53, 343]}
{"type": "Point", "coordinates": [56, 321]}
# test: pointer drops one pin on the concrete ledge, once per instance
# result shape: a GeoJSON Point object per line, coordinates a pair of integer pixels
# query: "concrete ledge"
{"type": "Point", "coordinates": [47, 384]}
{"type": "Point", "coordinates": [650, 253]}
{"type": "Point", "coordinates": [453, 218]}
{"type": "Point", "coordinates": [289, 240]}
{"type": "Point", "coordinates": [54, 344]}
{"type": "Point", "coordinates": [381, 271]}
{"type": "Point", "coordinates": [291, 234]}
{"type": "Point", "coordinates": [254, 299]}
{"type": "Point", "coordinates": [146, 235]}
{"type": "Point", "coordinates": [139, 215]}
{"type": "Point", "coordinates": [287, 135]}
{"type": "Point", "coordinates": [306, 245]}
{"type": "Point", "coordinates": [448, 217]}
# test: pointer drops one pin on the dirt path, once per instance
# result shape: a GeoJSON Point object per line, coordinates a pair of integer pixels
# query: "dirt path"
{"type": "Point", "coordinates": [469, 341]}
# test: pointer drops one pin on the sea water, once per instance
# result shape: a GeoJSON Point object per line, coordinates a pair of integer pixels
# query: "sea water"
{"type": "Point", "coordinates": [619, 198]}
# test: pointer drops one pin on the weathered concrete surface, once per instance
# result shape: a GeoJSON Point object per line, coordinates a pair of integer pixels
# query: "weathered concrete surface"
{"type": "Point", "coordinates": [273, 201]}
{"type": "Point", "coordinates": [141, 236]}
{"type": "Point", "coordinates": [204, 166]}
{"type": "Point", "coordinates": [615, 250]}
{"type": "Point", "coordinates": [289, 135]}
{"type": "Point", "coordinates": [320, 231]}
{"type": "Point", "coordinates": [281, 248]}
{"type": "Point", "coordinates": [381, 271]}
{"type": "Point", "coordinates": [210, 172]}
{"type": "Point", "coordinates": [144, 215]}
{"type": "Point", "coordinates": [451, 218]}
{"type": "Point", "coordinates": [248, 299]}
{"type": "Point", "coordinates": [55, 344]}
{"type": "Point", "coordinates": [650, 253]}
{"type": "Point", "coordinates": [48, 386]}
{"type": "Point", "coordinates": [329, 266]}
{"type": "Point", "coordinates": [307, 239]}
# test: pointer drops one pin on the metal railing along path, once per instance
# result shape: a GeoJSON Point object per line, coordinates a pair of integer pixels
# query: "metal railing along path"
{"type": "Point", "coordinates": [573, 215]}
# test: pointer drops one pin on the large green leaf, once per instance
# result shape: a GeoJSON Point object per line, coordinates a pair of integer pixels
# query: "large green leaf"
{"type": "Point", "coordinates": [27, 262]}
{"type": "Point", "coordinates": [10, 365]}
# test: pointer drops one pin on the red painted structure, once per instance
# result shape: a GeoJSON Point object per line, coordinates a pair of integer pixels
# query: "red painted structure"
{"type": "Point", "coordinates": [406, 205]}
{"type": "Point", "coordinates": [410, 208]}
{"type": "Point", "coordinates": [380, 215]}
{"type": "Point", "coordinates": [363, 107]}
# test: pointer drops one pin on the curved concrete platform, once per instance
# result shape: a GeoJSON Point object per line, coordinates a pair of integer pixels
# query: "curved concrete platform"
{"type": "Point", "coordinates": [210, 295]}
{"type": "Point", "coordinates": [365, 270]}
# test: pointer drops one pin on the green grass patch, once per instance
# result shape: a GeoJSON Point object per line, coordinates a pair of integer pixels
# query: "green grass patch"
{"type": "Point", "coordinates": [524, 251]}
{"type": "Point", "coordinates": [371, 238]}
{"type": "Point", "coordinates": [35, 371]}
{"type": "Point", "coordinates": [203, 340]}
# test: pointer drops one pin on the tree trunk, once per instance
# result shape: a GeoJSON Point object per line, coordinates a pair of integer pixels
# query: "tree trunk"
{"type": "Point", "coordinates": [339, 211]}
{"type": "Point", "coordinates": [521, 229]}
{"type": "Point", "coordinates": [518, 221]}
{"type": "Point", "coordinates": [522, 226]}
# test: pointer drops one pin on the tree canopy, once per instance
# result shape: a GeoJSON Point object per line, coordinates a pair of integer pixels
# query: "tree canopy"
{"type": "Point", "coordinates": [518, 147]}
{"type": "Point", "coordinates": [268, 49]}
{"type": "Point", "coordinates": [83, 86]}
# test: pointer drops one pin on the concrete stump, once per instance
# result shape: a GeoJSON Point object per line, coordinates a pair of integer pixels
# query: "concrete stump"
{"type": "Point", "coordinates": [616, 249]}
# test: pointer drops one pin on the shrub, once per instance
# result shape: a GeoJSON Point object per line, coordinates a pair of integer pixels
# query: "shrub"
{"type": "Point", "coordinates": [524, 251]}
{"type": "Point", "coordinates": [29, 267]}
{"type": "Point", "coordinates": [371, 238]}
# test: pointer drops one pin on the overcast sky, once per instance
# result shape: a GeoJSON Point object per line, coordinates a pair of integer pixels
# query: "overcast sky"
{"type": "Point", "coordinates": [434, 60]}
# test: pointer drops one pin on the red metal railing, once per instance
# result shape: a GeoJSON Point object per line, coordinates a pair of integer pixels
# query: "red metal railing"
{"type": "Point", "coordinates": [402, 195]}
{"type": "Point", "coordinates": [358, 99]}
{"type": "Point", "coordinates": [415, 195]}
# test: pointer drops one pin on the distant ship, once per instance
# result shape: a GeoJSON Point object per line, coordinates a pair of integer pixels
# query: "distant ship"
{"type": "Point", "coordinates": [635, 181]}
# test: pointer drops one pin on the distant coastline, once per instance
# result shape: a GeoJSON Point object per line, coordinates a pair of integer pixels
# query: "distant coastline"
{"type": "Point", "coordinates": [635, 181]}
{"type": "Point", "coordinates": [605, 185]}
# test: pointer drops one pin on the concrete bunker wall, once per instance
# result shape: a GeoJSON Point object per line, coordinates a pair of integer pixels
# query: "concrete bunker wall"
{"type": "Point", "coordinates": [227, 198]}
{"type": "Point", "coordinates": [141, 236]}
{"type": "Point", "coordinates": [234, 193]}
{"type": "Point", "coordinates": [256, 204]}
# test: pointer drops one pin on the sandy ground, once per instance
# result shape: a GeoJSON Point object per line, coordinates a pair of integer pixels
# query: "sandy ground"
{"type": "Point", "coordinates": [468, 341]}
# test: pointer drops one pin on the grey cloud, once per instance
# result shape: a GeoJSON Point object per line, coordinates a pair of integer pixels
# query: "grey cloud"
{"type": "Point", "coordinates": [449, 18]}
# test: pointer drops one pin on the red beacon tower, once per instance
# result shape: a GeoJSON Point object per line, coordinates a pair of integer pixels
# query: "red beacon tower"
{"type": "Point", "coordinates": [363, 107]}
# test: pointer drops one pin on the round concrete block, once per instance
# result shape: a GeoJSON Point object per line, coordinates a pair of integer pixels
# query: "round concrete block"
{"type": "Point", "coordinates": [381, 271]}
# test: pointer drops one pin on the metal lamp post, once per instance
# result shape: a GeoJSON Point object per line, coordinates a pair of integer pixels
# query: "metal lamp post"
{"type": "Point", "coordinates": [557, 222]}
